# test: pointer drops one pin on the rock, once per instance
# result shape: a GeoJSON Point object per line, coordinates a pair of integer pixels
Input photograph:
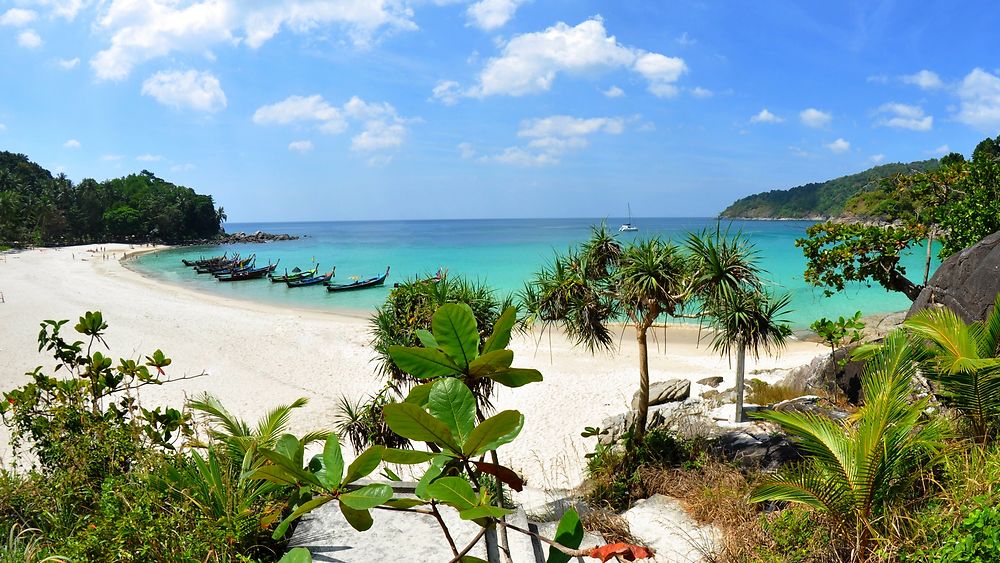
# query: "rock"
{"type": "Point", "coordinates": [821, 375]}
{"type": "Point", "coordinates": [810, 404]}
{"type": "Point", "coordinates": [967, 282]}
{"type": "Point", "coordinates": [662, 524]}
{"type": "Point", "coordinates": [768, 451]}
{"type": "Point", "coordinates": [661, 392]}
{"type": "Point", "coordinates": [713, 381]}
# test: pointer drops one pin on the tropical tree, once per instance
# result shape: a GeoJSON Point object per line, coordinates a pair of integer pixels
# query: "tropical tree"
{"type": "Point", "coordinates": [964, 360]}
{"type": "Point", "coordinates": [858, 470]}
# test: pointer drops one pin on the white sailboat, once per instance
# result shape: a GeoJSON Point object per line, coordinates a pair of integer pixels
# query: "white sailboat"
{"type": "Point", "coordinates": [628, 227]}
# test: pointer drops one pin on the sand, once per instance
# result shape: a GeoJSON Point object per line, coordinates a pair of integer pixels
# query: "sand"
{"type": "Point", "coordinates": [257, 356]}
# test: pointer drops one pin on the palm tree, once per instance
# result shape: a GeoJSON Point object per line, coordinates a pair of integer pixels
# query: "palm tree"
{"type": "Point", "coordinates": [747, 320]}
{"type": "Point", "coordinates": [858, 470]}
{"type": "Point", "coordinates": [963, 360]}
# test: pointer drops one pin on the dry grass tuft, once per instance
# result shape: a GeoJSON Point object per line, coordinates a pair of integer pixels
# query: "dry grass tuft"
{"type": "Point", "coordinates": [611, 526]}
{"type": "Point", "coordinates": [763, 393]}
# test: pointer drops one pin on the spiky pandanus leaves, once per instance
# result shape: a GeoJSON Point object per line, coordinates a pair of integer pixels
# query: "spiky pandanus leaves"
{"type": "Point", "coordinates": [859, 469]}
{"type": "Point", "coordinates": [962, 360]}
{"type": "Point", "coordinates": [724, 264]}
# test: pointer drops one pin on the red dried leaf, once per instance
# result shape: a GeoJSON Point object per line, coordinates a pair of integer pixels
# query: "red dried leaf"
{"type": "Point", "coordinates": [505, 474]}
{"type": "Point", "coordinates": [626, 551]}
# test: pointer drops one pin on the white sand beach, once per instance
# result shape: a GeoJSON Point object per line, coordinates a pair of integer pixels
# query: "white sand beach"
{"type": "Point", "coordinates": [257, 356]}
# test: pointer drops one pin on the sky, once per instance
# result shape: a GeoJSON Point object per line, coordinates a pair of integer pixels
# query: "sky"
{"type": "Point", "coordinates": [422, 109]}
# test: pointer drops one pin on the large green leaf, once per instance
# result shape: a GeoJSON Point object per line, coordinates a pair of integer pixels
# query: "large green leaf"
{"type": "Point", "coordinates": [297, 555]}
{"type": "Point", "coordinates": [501, 332]}
{"type": "Point", "coordinates": [423, 363]}
{"type": "Point", "coordinates": [360, 520]}
{"type": "Point", "coordinates": [452, 403]}
{"type": "Point", "coordinates": [485, 511]}
{"type": "Point", "coordinates": [367, 497]}
{"type": "Point", "coordinates": [418, 394]}
{"type": "Point", "coordinates": [454, 491]}
{"type": "Point", "coordinates": [290, 447]}
{"type": "Point", "coordinates": [364, 464]}
{"type": "Point", "coordinates": [333, 462]}
{"type": "Point", "coordinates": [569, 533]}
{"type": "Point", "coordinates": [291, 467]}
{"type": "Point", "coordinates": [404, 503]}
{"type": "Point", "coordinates": [516, 377]}
{"type": "Point", "coordinates": [275, 474]}
{"type": "Point", "coordinates": [413, 422]}
{"type": "Point", "coordinates": [303, 508]}
{"type": "Point", "coordinates": [493, 432]}
{"type": "Point", "coordinates": [490, 362]}
{"type": "Point", "coordinates": [433, 472]}
{"type": "Point", "coordinates": [454, 327]}
{"type": "Point", "coordinates": [405, 457]}
{"type": "Point", "coordinates": [426, 339]}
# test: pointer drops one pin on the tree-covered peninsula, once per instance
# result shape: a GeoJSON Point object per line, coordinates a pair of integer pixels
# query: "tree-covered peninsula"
{"type": "Point", "coordinates": [37, 208]}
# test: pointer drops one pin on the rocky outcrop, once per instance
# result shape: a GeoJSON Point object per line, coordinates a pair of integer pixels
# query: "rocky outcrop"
{"type": "Point", "coordinates": [712, 382]}
{"type": "Point", "coordinates": [967, 282]}
{"type": "Point", "coordinates": [661, 392]}
{"type": "Point", "coordinates": [757, 448]}
{"type": "Point", "coordinates": [255, 237]}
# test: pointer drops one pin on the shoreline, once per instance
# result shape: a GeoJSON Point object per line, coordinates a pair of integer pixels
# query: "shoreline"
{"type": "Point", "coordinates": [259, 355]}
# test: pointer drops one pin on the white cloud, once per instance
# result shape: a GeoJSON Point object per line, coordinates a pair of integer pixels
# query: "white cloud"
{"type": "Point", "coordinates": [466, 150]}
{"type": "Point", "coordinates": [491, 14]}
{"type": "Point", "coordinates": [614, 92]}
{"type": "Point", "coordinates": [765, 116]}
{"type": "Point", "coordinates": [699, 92]}
{"type": "Point", "coordinates": [904, 116]}
{"type": "Point", "coordinates": [18, 17]}
{"type": "Point", "coordinates": [530, 62]}
{"type": "Point", "coordinates": [67, 9]}
{"type": "Point", "coordinates": [142, 30]}
{"type": "Point", "coordinates": [192, 89]}
{"type": "Point", "coordinates": [839, 146]}
{"type": "Point", "coordinates": [941, 151]}
{"type": "Point", "coordinates": [149, 158]}
{"type": "Point", "coordinates": [72, 144]}
{"type": "Point", "coordinates": [381, 126]}
{"type": "Point", "coordinates": [812, 117]}
{"type": "Point", "coordinates": [111, 157]}
{"type": "Point", "coordinates": [925, 79]}
{"type": "Point", "coordinates": [300, 146]}
{"type": "Point", "coordinates": [29, 39]}
{"type": "Point", "coordinates": [447, 91]}
{"type": "Point", "coordinates": [979, 93]}
{"type": "Point", "coordinates": [68, 64]}
{"type": "Point", "coordinates": [876, 158]}
{"type": "Point", "coordinates": [553, 136]}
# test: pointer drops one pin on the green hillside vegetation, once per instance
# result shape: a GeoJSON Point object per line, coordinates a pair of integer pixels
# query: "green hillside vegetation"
{"type": "Point", "coordinates": [820, 199]}
{"type": "Point", "coordinates": [37, 208]}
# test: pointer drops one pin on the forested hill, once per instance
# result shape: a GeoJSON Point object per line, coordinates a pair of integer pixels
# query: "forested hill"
{"type": "Point", "coordinates": [41, 209]}
{"type": "Point", "coordinates": [819, 199]}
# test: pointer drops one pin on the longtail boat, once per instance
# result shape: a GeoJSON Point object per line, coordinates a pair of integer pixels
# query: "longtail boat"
{"type": "Point", "coordinates": [296, 274]}
{"type": "Point", "coordinates": [359, 284]}
{"type": "Point", "coordinates": [251, 274]}
{"type": "Point", "coordinates": [227, 267]}
{"type": "Point", "coordinates": [312, 280]}
{"type": "Point", "coordinates": [205, 261]}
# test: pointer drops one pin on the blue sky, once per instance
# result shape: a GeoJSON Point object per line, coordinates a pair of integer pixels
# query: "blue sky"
{"type": "Point", "coordinates": [397, 109]}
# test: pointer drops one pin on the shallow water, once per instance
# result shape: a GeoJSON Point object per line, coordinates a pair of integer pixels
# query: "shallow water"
{"type": "Point", "coordinates": [501, 252]}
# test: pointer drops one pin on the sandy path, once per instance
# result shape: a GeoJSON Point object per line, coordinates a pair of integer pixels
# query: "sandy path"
{"type": "Point", "coordinates": [259, 355]}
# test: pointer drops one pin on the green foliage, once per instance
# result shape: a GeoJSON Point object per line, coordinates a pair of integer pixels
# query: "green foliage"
{"type": "Point", "coordinates": [824, 199]}
{"type": "Point", "coordinates": [797, 536]}
{"type": "Point", "coordinates": [975, 540]}
{"type": "Point", "coordinates": [37, 208]}
{"type": "Point", "coordinates": [840, 332]}
{"type": "Point", "coordinates": [857, 471]}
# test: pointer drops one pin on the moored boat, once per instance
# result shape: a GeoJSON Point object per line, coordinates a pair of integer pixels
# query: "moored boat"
{"type": "Point", "coordinates": [296, 274]}
{"type": "Point", "coordinates": [359, 284]}
{"type": "Point", "coordinates": [314, 280]}
{"type": "Point", "coordinates": [205, 261]}
{"type": "Point", "coordinates": [249, 274]}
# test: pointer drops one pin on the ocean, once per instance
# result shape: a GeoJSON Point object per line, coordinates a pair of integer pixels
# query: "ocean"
{"type": "Point", "coordinates": [500, 252]}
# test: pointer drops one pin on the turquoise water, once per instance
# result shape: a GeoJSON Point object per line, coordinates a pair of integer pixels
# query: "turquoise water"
{"type": "Point", "coordinates": [503, 253]}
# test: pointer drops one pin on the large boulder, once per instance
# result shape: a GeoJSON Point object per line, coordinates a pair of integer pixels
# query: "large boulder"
{"type": "Point", "coordinates": [967, 282]}
{"type": "Point", "coordinates": [661, 392]}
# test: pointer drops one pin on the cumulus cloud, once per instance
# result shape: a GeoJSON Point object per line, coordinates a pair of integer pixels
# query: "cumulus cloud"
{"type": "Point", "coordinates": [924, 79]}
{"type": "Point", "coordinates": [940, 151]}
{"type": "Point", "coordinates": [72, 144]}
{"type": "Point", "coordinates": [68, 64]}
{"type": "Point", "coordinates": [491, 14]}
{"type": "Point", "coordinates": [67, 9]}
{"type": "Point", "coordinates": [140, 31]}
{"type": "Point", "coordinates": [765, 116]}
{"type": "Point", "coordinates": [300, 146]}
{"type": "Point", "coordinates": [699, 92]}
{"type": "Point", "coordinates": [876, 158]}
{"type": "Point", "coordinates": [979, 95]}
{"type": "Point", "coordinates": [29, 39]}
{"type": "Point", "coordinates": [530, 62]}
{"type": "Point", "coordinates": [447, 92]}
{"type": "Point", "coordinates": [904, 116]}
{"type": "Point", "coordinates": [192, 89]}
{"type": "Point", "coordinates": [18, 17]}
{"type": "Point", "coordinates": [839, 146]}
{"type": "Point", "coordinates": [614, 92]}
{"type": "Point", "coordinates": [381, 126]}
{"type": "Point", "coordinates": [812, 117]}
{"type": "Point", "coordinates": [551, 137]}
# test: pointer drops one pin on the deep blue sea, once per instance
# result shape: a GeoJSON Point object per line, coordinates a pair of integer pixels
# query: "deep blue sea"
{"type": "Point", "coordinates": [500, 252]}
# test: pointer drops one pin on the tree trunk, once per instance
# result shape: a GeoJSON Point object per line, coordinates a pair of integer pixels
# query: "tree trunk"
{"type": "Point", "coordinates": [927, 264]}
{"type": "Point", "coordinates": [740, 367]}
{"type": "Point", "coordinates": [640, 419]}
{"type": "Point", "coordinates": [898, 282]}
